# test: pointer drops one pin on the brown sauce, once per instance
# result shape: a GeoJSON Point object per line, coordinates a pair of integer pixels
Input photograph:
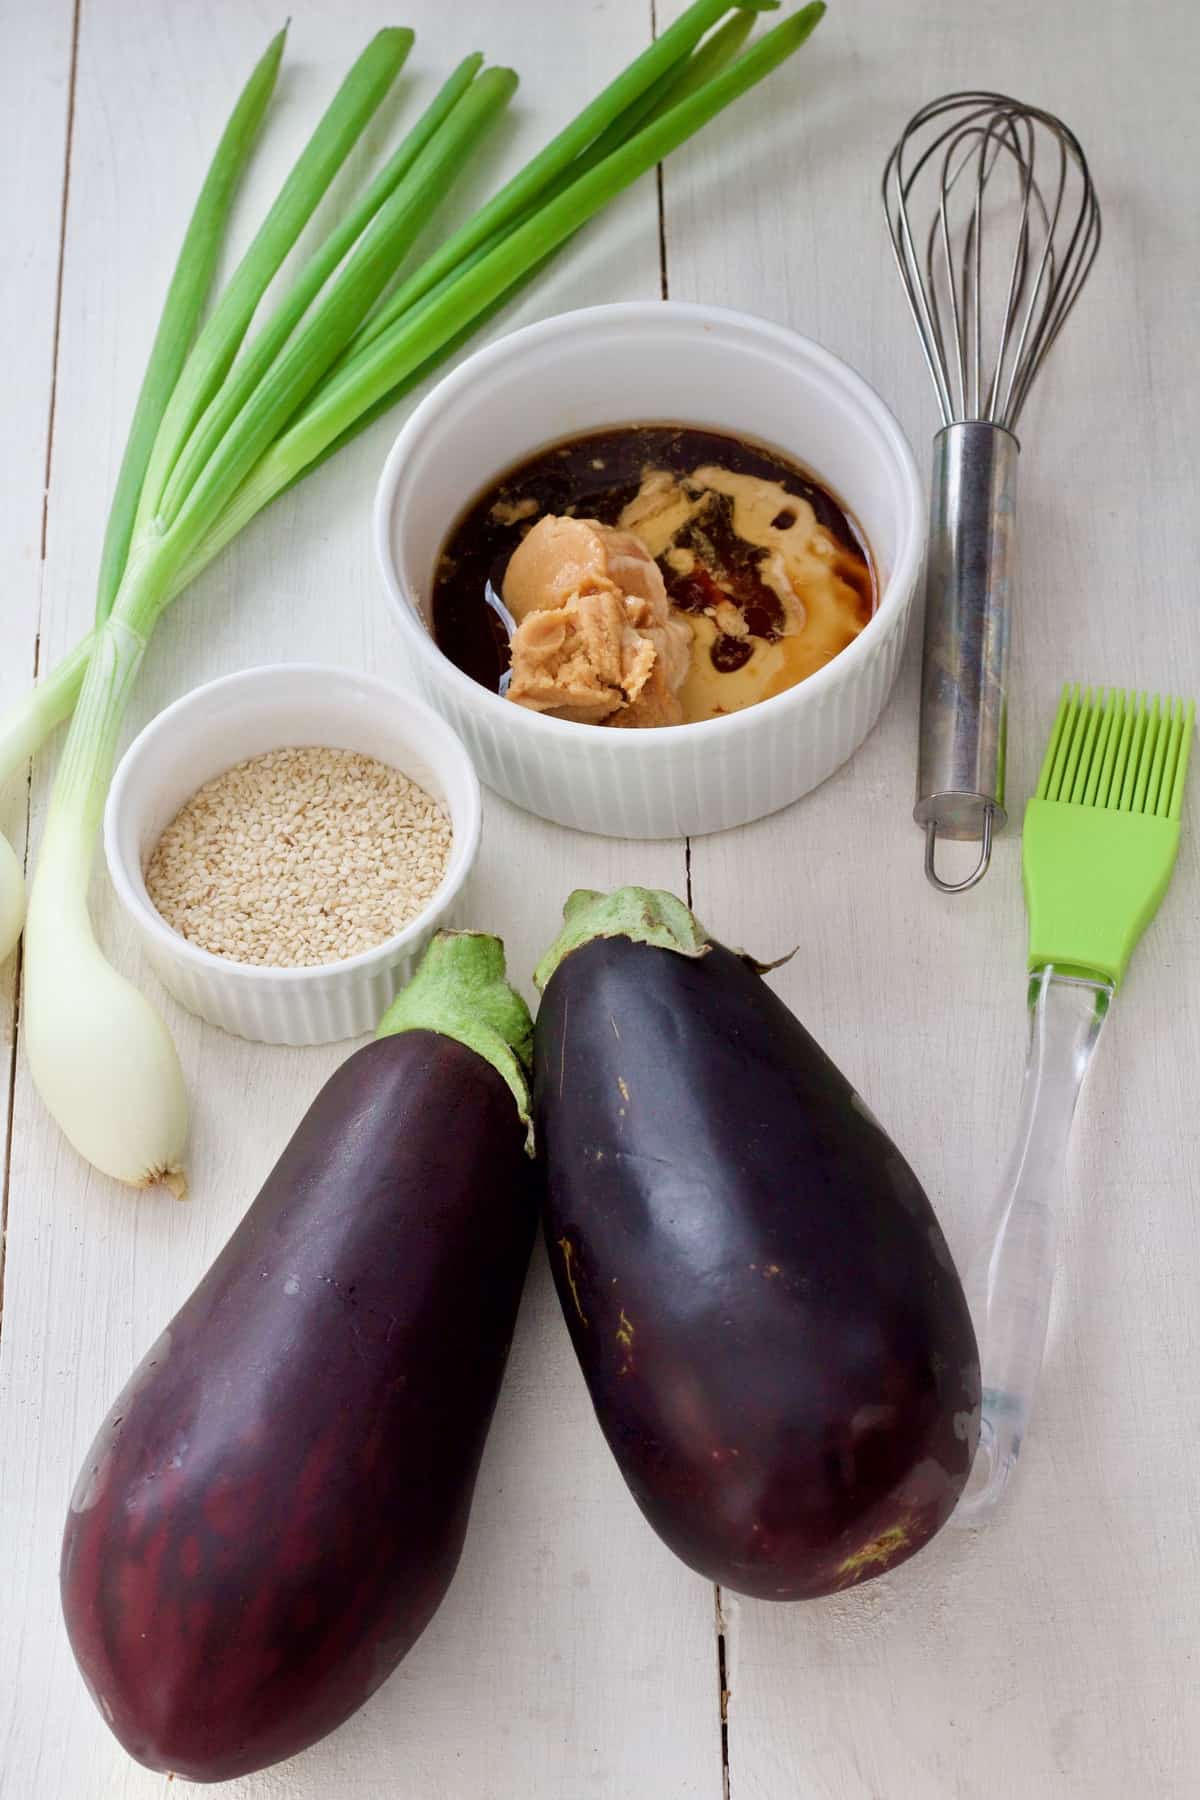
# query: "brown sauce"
{"type": "Point", "coordinates": [597, 477]}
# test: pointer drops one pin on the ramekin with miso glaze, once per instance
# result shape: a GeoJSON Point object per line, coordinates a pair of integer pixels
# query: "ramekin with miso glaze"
{"type": "Point", "coordinates": [636, 364]}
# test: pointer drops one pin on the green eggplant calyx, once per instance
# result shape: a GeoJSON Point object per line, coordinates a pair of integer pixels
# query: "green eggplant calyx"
{"type": "Point", "coordinates": [646, 915]}
{"type": "Point", "coordinates": [460, 990]}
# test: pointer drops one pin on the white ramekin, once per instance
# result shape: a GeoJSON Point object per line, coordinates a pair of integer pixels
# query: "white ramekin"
{"type": "Point", "coordinates": [648, 362]}
{"type": "Point", "coordinates": [216, 726]}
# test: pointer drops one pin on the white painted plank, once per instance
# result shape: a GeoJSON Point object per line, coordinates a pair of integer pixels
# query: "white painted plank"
{"type": "Point", "coordinates": [1046, 1659]}
{"type": "Point", "coordinates": [34, 103]}
{"type": "Point", "coordinates": [571, 1641]}
{"type": "Point", "coordinates": [1054, 1654]}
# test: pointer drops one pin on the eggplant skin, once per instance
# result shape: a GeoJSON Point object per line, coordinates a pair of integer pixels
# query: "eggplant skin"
{"type": "Point", "coordinates": [276, 1504]}
{"type": "Point", "coordinates": [767, 1315]}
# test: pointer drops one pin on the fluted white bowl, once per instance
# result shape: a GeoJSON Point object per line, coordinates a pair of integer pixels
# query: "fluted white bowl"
{"type": "Point", "coordinates": [243, 715]}
{"type": "Point", "coordinates": [648, 362]}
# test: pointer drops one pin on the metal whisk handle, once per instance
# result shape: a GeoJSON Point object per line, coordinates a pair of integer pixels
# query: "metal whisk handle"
{"type": "Point", "coordinates": [960, 775]}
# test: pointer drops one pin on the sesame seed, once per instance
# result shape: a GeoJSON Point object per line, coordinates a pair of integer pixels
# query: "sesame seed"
{"type": "Point", "coordinates": [299, 857]}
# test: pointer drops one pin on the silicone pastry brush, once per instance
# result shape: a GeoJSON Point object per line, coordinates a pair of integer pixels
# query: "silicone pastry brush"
{"type": "Point", "coordinates": [1099, 846]}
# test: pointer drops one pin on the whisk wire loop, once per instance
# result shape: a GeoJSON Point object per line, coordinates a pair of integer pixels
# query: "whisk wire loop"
{"type": "Point", "coordinates": [976, 159]}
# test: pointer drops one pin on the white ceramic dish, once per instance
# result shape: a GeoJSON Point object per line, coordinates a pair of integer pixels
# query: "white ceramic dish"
{"type": "Point", "coordinates": [245, 715]}
{"type": "Point", "coordinates": [648, 362]}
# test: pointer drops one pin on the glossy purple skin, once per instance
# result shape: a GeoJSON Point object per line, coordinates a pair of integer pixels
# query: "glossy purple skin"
{"type": "Point", "coordinates": [772, 1330]}
{"type": "Point", "coordinates": [276, 1504]}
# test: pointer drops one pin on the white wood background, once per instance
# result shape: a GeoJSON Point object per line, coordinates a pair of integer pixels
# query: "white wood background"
{"type": "Point", "coordinates": [1055, 1653]}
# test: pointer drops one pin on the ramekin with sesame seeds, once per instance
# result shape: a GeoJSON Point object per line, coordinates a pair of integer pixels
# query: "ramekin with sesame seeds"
{"type": "Point", "coordinates": [234, 795]}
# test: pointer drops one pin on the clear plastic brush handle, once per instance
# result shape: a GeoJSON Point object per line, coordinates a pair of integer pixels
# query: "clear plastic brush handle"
{"type": "Point", "coordinates": [1010, 1278]}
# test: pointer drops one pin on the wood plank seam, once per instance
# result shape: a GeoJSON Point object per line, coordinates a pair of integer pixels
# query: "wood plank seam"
{"type": "Point", "coordinates": [8, 1132]}
{"type": "Point", "coordinates": [58, 291]}
{"type": "Point", "coordinates": [658, 185]}
{"type": "Point", "coordinates": [718, 1617]}
{"type": "Point", "coordinates": [722, 1687]}
{"type": "Point", "coordinates": [6, 1173]}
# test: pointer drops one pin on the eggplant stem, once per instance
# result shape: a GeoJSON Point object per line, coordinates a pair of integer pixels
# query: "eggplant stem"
{"type": "Point", "coordinates": [460, 989]}
{"type": "Point", "coordinates": [644, 915]}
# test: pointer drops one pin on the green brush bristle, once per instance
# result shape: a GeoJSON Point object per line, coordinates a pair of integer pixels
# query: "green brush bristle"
{"type": "Point", "coordinates": [1102, 832]}
{"type": "Point", "coordinates": [1123, 752]}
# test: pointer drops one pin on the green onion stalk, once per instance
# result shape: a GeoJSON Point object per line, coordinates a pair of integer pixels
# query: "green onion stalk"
{"type": "Point", "coordinates": [226, 420]}
{"type": "Point", "coordinates": [22, 733]}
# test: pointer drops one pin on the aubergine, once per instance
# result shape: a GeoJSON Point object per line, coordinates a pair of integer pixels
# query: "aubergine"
{"type": "Point", "coordinates": [771, 1327]}
{"type": "Point", "coordinates": [275, 1506]}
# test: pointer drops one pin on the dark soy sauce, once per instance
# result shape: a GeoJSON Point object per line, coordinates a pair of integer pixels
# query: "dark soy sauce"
{"type": "Point", "coordinates": [595, 477]}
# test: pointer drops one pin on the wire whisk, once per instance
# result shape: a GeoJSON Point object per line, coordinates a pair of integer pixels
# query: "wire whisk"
{"type": "Point", "coordinates": [1009, 192]}
{"type": "Point", "coordinates": [995, 226]}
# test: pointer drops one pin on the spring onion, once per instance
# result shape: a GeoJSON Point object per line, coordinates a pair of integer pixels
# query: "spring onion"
{"type": "Point", "coordinates": [410, 341]}
{"type": "Point", "coordinates": [22, 733]}
{"type": "Point", "coordinates": [100, 1055]}
{"type": "Point", "coordinates": [219, 432]}
{"type": "Point", "coordinates": [380, 370]}
{"type": "Point", "coordinates": [339, 130]}
{"type": "Point", "coordinates": [233, 394]}
{"type": "Point", "coordinates": [689, 73]}
{"type": "Point", "coordinates": [181, 313]}
{"type": "Point", "coordinates": [530, 183]}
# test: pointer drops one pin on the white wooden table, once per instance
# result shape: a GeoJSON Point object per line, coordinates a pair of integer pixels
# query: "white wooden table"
{"type": "Point", "coordinates": [1054, 1654]}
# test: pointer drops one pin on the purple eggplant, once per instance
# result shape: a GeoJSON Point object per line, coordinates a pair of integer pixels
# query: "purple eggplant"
{"type": "Point", "coordinates": [769, 1320]}
{"type": "Point", "coordinates": [275, 1506]}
